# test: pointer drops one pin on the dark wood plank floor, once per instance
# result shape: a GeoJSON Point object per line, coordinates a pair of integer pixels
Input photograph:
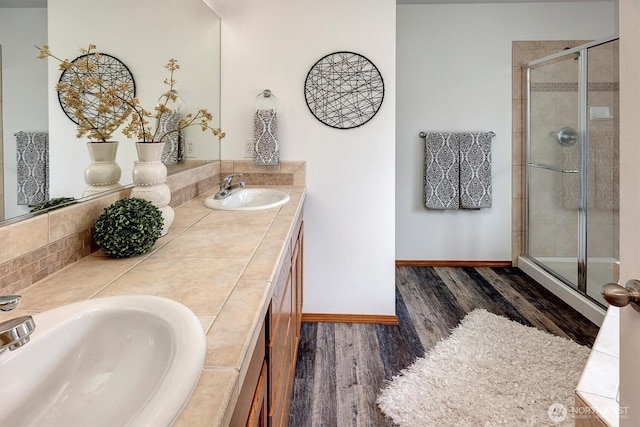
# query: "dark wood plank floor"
{"type": "Point", "coordinates": [341, 367]}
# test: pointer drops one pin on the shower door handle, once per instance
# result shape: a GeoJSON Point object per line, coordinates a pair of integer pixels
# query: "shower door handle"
{"type": "Point", "coordinates": [551, 168]}
{"type": "Point", "coordinates": [618, 296]}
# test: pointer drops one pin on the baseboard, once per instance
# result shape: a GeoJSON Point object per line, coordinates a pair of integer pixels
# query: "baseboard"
{"type": "Point", "coordinates": [452, 263]}
{"type": "Point", "coordinates": [349, 318]}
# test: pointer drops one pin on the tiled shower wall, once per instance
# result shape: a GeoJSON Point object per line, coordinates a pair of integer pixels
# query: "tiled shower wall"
{"type": "Point", "coordinates": [604, 154]}
{"type": "Point", "coordinates": [558, 106]}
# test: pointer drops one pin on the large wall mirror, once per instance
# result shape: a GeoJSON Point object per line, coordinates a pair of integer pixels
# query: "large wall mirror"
{"type": "Point", "coordinates": [143, 35]}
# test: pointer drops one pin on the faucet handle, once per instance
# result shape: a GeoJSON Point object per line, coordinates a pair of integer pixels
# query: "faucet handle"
{"type": "Point", "coordinates": [16, 332]}
{"type": "Point", "coordinates": [227, 179]}
{"type": "Point", "coordinates": [9, 302]}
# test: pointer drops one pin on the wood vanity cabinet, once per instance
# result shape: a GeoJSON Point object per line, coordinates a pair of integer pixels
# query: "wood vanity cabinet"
{"type": "Point", "coordinates": [284, 321]}
{"type": "Point", "coordinates": [266, 390]}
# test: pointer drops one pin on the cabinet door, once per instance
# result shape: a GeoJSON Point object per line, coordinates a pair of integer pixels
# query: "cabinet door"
{"type": "Point", "coordinates": [251, 383]}
{"type": "Point", "coordinates": [258, 414]}
{"type": "Point", "coordinates": [280, 359]}
{"type": "Point", "coordinates": [297, 274]}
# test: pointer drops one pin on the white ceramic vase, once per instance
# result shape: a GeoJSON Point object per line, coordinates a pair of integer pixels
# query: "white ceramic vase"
{"type": "Point", "coordinates": [103, 173]}
{"type": "Point", "coordinates": [149, 177]}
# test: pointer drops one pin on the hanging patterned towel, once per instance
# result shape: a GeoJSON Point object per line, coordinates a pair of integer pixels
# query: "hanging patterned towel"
{"type": "Point", "coordinates": [266, 149]}
{"type": "Point", "coordinates": [441, 171]}
{"type": "Point", "coordinates": [32, 152]}
{"type": "Point", "coordinates": [475, 170]}
{"type": "Point", "coordinates": [174, 148]}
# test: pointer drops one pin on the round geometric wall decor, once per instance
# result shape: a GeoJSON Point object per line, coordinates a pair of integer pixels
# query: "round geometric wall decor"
{"type": "Point", "coordinates": [112, 72]}
{"type": "Point", "coordinates": [344, 90]}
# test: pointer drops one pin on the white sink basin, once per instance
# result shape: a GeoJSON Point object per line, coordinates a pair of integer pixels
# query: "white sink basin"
{"type": "Point", "coordinates": [249, 199]}
{"type": "Point", "coordinates": [114, 361]}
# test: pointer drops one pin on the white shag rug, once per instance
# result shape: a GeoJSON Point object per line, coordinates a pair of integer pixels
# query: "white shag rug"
{"type": "Point", "coordinates": [490, 371]}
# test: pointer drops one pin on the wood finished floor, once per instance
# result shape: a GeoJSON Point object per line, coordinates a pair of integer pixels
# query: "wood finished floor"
{"type": "Point", "coordinates": [341, 367]}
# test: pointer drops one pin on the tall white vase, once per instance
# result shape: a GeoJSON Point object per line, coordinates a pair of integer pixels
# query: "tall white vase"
{"type": "Point", "coordinates": [149, 177]}
{"type": "Point", "coordinates": [103, 173]}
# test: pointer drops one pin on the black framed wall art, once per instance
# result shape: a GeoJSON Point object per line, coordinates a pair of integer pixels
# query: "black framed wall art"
{"type": "Point", "coordinates": [344, 90]}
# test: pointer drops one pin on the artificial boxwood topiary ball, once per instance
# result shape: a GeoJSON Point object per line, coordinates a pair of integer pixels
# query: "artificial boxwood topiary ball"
{"type": "Point", "coordinates": [129, 227]}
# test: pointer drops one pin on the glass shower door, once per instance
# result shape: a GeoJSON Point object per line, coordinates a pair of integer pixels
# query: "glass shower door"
{"type": "Point", "coordinates": [553, 155]}
{"type": "Point", "coordinates": [572, 168]}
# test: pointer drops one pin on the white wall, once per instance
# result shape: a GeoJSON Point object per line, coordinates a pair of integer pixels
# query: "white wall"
{"type": "Point", "coordinates": [144, 35]}
{"type": "Point", "coordinates": [24, 87]}
{"type": "Point", "coordinates": [349, 214]}
{"type": "Point", "coordinates": [454, 73]}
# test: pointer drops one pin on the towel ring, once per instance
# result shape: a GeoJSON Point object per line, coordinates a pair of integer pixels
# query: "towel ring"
{"type": "Point", "coordinates": [424, 135]}
{"type": "Point", "coordinates": [178, 99]}
{"type": "Point", "coordinates": [267, 94]}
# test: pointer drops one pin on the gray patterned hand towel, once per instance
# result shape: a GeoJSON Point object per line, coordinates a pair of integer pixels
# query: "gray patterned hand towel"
{"type": "Point", "coordinates": [266, 150]}
{"type": "Point", "coordinates": [475, 170]}
{"type": "Point", "coordinates": [174, 144]}
{"type": "Point", "coordinates": [32, 149]}
{"type": "Point", "coordinates": [441, 172]}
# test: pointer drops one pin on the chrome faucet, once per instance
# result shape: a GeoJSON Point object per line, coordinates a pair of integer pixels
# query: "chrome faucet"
{"type": "Point", "coordinates": [14, 333]}
{"type": "Point", "coordinates": [9, 302]}
{"type": "Point", "coordinates": [228, 185]}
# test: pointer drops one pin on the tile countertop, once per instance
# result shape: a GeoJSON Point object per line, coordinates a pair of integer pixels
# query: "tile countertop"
{"type": "Point", "coordinates": [220, 264]}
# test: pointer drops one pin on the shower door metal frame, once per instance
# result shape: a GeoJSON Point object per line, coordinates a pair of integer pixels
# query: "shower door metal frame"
{"type": "Point", "coordinates": [583, 169]}
{"type": "Point", "coordinates": [581, 54]}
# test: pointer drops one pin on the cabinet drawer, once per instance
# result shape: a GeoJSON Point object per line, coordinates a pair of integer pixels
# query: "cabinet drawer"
{"type": "Point", "coordinates": [281, 281]}
{"type": "Point", "coordinates": [280, 315]}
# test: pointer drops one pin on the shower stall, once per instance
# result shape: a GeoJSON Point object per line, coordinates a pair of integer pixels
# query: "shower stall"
{"type": "Point", "coordinates": [572, 171]}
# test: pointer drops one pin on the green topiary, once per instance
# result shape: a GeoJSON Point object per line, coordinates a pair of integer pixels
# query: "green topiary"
{"type": "Point", "coordinates": [128, 227]}
{"type": "Point", "coordinates": [57, 202]}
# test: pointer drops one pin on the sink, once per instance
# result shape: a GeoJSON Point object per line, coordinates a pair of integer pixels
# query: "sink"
{"type": "Point", "coordinates": [249, 199]}
{"type": "Point", "coordinates": [123, 360]}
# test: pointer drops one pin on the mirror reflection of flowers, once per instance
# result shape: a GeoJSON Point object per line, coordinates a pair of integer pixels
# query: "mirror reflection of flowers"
{"type": "Point", "coordinates": [138, 123]}
{"type": "Point", "coordinates": [99, 109]}
{"type": "Point", "coordinates": [113, 100]}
